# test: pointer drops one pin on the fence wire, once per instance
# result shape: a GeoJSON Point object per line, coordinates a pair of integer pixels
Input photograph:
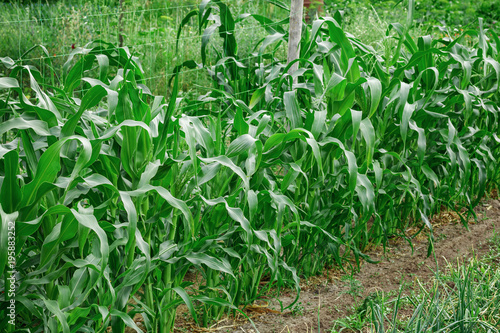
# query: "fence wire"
{"type": "Point", "coordinates": [148, 29]}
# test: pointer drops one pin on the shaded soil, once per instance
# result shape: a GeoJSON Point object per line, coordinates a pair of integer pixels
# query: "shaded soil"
{"type": "Point", "coordinates": [333, 297]}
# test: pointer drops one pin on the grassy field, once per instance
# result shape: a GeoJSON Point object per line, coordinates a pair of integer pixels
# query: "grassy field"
{"type": "Point", "coordinates": [116, 189]}
{"type": "Point", "coordinates": [148, 29]}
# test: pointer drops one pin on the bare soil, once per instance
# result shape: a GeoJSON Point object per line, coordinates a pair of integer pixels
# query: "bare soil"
{"type": "Point", "coordinates": [331, 297]}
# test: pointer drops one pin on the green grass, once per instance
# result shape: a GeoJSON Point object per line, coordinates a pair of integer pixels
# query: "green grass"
{"type": "Point", "coordinates": [118, 193]}
{"type": "Point", "coordinates": [454, 13]}
{"type": "Point", "coordinates": [148, 28]}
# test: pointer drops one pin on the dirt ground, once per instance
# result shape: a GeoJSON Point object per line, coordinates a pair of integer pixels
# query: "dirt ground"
{"type": "Point", "coordinates": [335, 296]}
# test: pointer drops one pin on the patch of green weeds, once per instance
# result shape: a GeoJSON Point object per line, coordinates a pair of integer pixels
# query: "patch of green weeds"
{"type": "Point", "coordinates": [355, 286]}
{"type": "Point", "coordinates": [297, 310]}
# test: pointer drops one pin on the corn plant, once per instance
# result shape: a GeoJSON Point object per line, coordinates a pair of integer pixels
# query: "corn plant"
{"type": "Point", "coordinates": [94, 174]}
{"type": "Point", "coordinates": [366, 144]}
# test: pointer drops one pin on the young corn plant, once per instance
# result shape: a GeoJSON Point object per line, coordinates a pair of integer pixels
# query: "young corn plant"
{"type": "Point", "coordinates": [95, 174]}
{"type": "Point", "coordinates": [367, 144]}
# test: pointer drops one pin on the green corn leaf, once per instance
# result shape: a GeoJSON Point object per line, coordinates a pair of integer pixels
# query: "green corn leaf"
{"type": "Point", "coordinates": [236, 214]}
{"type": "Point", "coordinates": [88, 220]}
{"type": "Point", "coordinates": [174, 202]}
{"type": "Point", "coordinates": [221, 265]}
{"type": "Point", "coordinates": [38, 126]}
{"type": "Point", "coordinates": [225, 161]}
{"type": "Point", "coordinates": [422, 145]}
{"type": "Point", "coordinates": [241, 144]}
{"type": "Point", "coordinates": [90, 99]}
{"type": "Point", "coordinates": [49, 166]}
{"type": "Point", "coordinates": [131, 228]}
{"type": "Point", "coordinates": [292, 109]}
{"type": "Point", "coordinates": [53, 307]}
{"type": "Point", "coordinates": [256, 97]}
{"type": "Point", "coordinates": [10, 192]}
{"type": "Point", "coordinates": [8, 83]}
{"type": "Point", "coordinates": [126, 319]}
{"type": "Point", "coordinates": [368, 133]}
{"type": "Point", "coordinates": [375, 88]}
{"type": "Point", "coordinates": [271, 39]}
{"type": "Point", "coordinates": [187, 300]}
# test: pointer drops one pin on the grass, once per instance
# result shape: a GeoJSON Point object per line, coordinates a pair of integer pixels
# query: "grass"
{"type": "Point", "coordinates": [454, 13]}
{"type": "Point", "coordinates": [116, 192]}
{"type": "Point", "coordinates": [148, 28]}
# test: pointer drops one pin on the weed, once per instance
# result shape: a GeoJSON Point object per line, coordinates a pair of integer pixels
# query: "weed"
{"type": "Point", "coordinates": [297, 310]}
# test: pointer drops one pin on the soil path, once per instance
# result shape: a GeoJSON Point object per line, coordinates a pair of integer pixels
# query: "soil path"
{"type": "Point", "coordinates": [334, 297]}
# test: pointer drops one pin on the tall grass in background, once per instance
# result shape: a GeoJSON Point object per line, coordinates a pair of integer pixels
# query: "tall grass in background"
{"type": "Point", "coordinates": [119, 194]}
{"type": "Point", "coordinates": [147, 28]}
{"type": "Point", "coordinates": [453, 13]}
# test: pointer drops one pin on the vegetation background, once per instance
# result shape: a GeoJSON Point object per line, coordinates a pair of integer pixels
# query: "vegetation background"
{"type": "Point", "coordinates": [186, 167]}
{"type": "Point", "coordinates": [149, 28]}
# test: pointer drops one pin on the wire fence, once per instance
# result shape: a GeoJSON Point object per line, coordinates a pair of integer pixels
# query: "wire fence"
{"type": "Point", "coordinates": [147, 28]}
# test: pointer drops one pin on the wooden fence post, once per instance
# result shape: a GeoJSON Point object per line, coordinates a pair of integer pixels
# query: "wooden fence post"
{"type": "Point", "coordinates": [295, 32]}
